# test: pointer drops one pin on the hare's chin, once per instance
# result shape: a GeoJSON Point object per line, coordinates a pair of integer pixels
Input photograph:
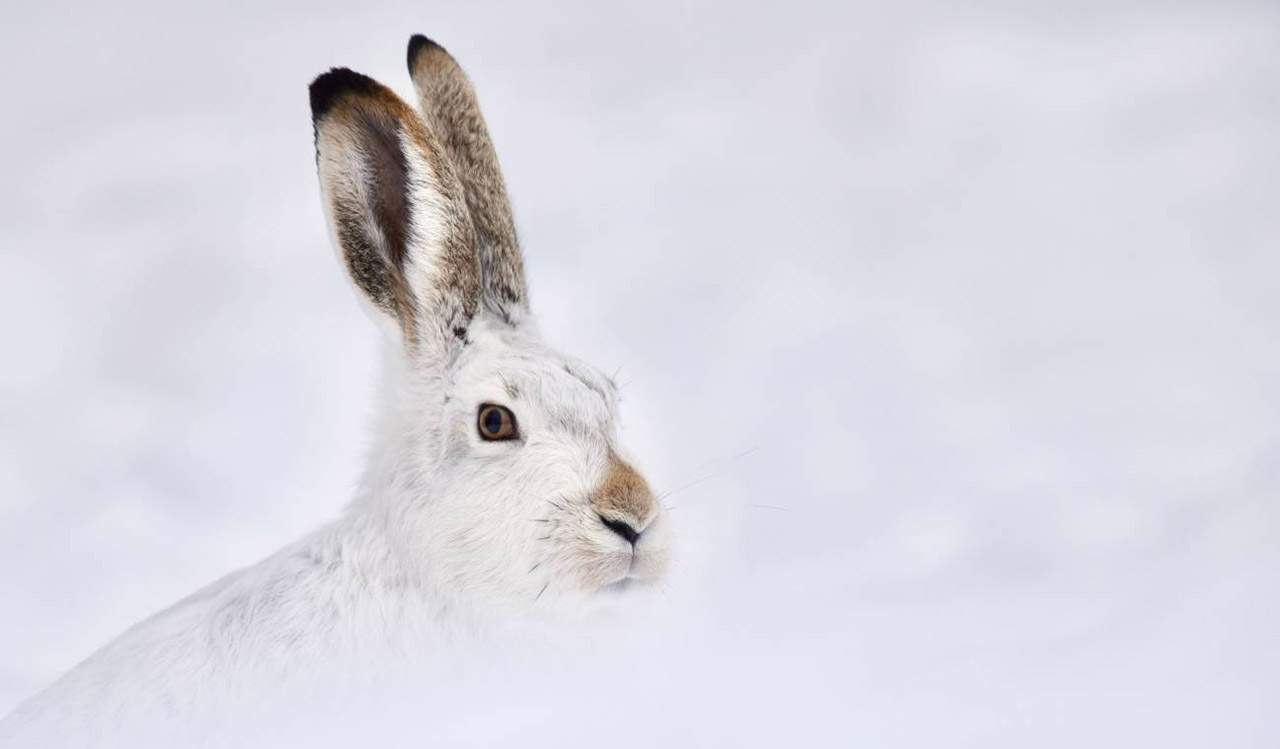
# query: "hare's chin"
{"type": "Point", "coordinates": [619, 587]}
{"type": "Point", "coordinates": [628, 584]}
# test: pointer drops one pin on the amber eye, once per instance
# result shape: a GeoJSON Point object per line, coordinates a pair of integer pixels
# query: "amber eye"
{"type": "Point", "coordinates": [496, 423]}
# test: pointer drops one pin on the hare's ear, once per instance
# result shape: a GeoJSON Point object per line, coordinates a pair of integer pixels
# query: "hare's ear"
{"type": "Point", "coordinates": [396, 210]}
{"type": "Point", "coordinates": [449, 103]}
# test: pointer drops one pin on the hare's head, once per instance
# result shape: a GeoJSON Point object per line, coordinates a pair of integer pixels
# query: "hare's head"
{"type": "Point", "coordinates": [500, 471]}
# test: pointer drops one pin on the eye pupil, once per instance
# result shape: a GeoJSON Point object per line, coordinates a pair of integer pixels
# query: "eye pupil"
{"type": "Point", "coordinates": [493, 421]}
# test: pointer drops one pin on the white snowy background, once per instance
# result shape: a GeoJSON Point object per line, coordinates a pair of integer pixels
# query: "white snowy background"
{"type": "Point", "coordinates": [957, 327]}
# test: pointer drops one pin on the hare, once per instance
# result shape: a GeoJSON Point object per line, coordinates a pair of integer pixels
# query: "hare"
{"type": "Point", "coordinates": [496, 484]}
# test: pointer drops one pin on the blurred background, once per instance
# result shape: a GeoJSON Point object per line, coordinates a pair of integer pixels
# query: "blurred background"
{"type": "Point", "coordinates": [955, 329]}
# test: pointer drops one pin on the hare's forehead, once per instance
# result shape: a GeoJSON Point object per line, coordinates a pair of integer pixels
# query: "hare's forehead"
{"type": "Point", "coordinates": [529, 374]}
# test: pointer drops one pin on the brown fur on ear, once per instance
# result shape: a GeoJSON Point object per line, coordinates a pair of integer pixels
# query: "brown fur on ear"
{"type": "Point", "coordinates": [396, 207]}
{"type": "Point", "coordinates": [449, 104]}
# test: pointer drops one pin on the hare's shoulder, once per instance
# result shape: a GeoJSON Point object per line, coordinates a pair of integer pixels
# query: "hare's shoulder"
{"type": "Point", "coordinates": [264, 618]}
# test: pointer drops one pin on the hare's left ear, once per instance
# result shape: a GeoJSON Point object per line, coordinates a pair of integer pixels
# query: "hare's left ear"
{"type": "Point", "coordinates": [396, 211]}
{"type": "Point", "coordinates": [449, 104]}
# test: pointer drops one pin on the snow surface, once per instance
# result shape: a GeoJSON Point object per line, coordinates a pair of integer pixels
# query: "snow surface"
{"type": "Point", "coordinates": [956, 329]}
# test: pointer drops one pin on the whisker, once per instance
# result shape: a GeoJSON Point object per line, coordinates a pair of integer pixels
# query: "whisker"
{"type": "Point", "coordinates": [708, 477]}
{"type": "Point", "coordinates": [544, 590]}
{"type": "Point", "coordinates": [727, 459]}
{"type": "Point", "coordinates": [689, 485]}
{"type": "Point", "coordinates": [770, 507]}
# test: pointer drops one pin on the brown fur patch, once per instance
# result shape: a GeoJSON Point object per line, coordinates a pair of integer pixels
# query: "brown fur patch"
{"type": "Point", "coordinates": [624, 495]}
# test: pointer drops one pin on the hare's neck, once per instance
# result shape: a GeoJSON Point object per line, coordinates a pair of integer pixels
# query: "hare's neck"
{"type": "Point", "coordinates": [401, 439]}
{"type": "Point", "coordinates": [394, 486]}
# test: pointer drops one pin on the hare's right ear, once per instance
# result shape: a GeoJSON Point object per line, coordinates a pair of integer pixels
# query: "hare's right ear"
{"type": "Point", "coordinates": [396, 210]}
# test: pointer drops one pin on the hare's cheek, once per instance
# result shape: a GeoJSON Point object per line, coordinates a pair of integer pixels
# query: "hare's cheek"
{"type": "Point", "coordinates": [652, 562]}
{"type": "Point", "coordinates": [653, 552]}
{"type": "Point", "coordinates": [594, 567]}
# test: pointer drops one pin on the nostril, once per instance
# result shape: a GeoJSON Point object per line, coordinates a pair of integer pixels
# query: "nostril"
{"type": "Point", "coordinates": [622, 529]}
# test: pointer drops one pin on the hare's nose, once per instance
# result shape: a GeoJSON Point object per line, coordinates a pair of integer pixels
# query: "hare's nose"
{"type": "Point", "coordinates": [622, 528]}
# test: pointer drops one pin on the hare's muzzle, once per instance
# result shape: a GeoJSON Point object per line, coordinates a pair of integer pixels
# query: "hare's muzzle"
{"type": "Point", "coordinates": [624, 501]}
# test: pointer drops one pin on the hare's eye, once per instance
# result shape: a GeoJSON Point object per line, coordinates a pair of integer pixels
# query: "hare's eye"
{"type": "Point", "coordinates": [496, 423]}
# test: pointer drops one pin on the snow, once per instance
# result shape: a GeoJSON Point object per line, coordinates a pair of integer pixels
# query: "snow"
{"type": "Point", "coordinates": [955, 330]}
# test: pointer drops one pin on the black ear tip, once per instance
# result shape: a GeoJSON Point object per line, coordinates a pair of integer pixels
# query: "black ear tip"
{"type": "Point", "coordinates": [328, 87]}
{"type": "Point", "coordinates": [419, 44]}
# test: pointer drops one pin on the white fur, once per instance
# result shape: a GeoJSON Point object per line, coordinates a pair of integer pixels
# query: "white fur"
{"type": "Point", "coordinates": [448, 536]}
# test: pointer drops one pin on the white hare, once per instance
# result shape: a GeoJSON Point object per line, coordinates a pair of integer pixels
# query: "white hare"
{"type": "Point", "coordinates": [496, 483]}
